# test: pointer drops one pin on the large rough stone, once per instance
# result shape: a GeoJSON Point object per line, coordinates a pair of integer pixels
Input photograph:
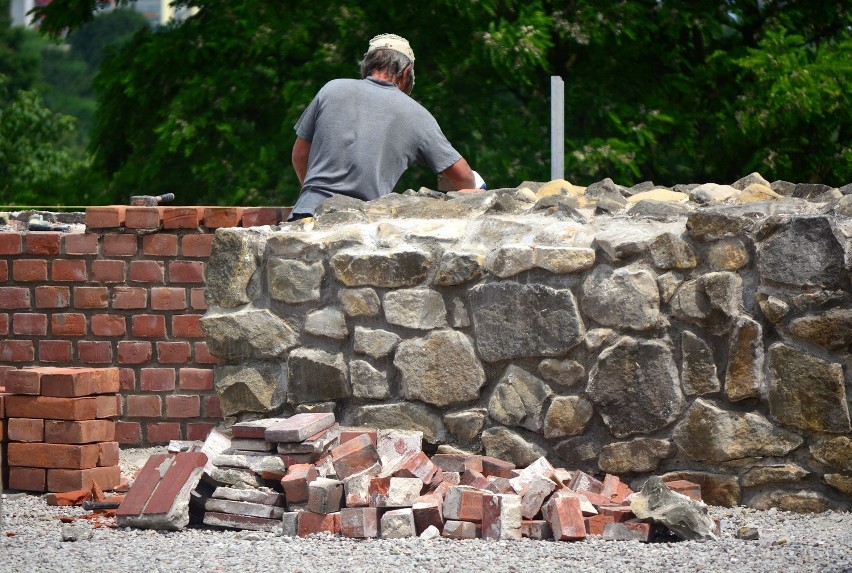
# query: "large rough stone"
{"type": "Point", "coordinates": [402, 267]}
{"type": "Point", "coordinates": [376, 343]}
{"type": "Point", "coordinates": [563, 260]}
{"type": "Point", "coordinates": [727, 255]}
{"type": "Point", "coordinates": [466, 425]}
{"type": "Point", "coordinates": [565, 373]}
{"type": "Point", "coordinates": [441, 368]}
{"type": "Point", "coordinates": [636, 386]}
{"type": "Point", "coordinates": [802, 253]}
{"type": "Point", "coordinates": [234, 259]}
{"type": "Point", "coordinates": [744, 375]}
{"type": "Point", "coordinates": [567, 416]}
{"type": "Point", "coordinates": [253, 387]}
{"type": "Point", "coordinates": [513, 320]}
{"type": "Point", "coordinates": [712, 300]}
{"type": "Point", "coordinates": [708, 433]}
{"type": "Point", "coordinates": [781, 473]}
{"type": "Point", "coordinates": [459, 267]}
{"type": "Point", "coordinates": [506, 445]}
{"type": "Point", "coordinates": [294, 281]}
{"type": "Point", "coordinates": [840, 482]}
{"type": "Point", "coordinates": [419, 308]}
{"type": "Point", "coordinates": [699, 367]}
{"type": "Point", "coordinates": [510, 260]}
{"type": "Point", "coordinates": [831, 329]}
{"type": "Point", "coordinates": [248, 333]}
{"type": "Point", "coordinates": [579, 453]}
{"type": "Point", "coordinates": [625, 297]}
{"type": "Point", "coordinates": [328, 322]}
{"type": "Point", "coordinates": [403, 416]}
{"type": "Point", "coordinates": [806, 392]}
{"type": "Point", "coordinates": [718, 223]}
{"type": "Point", "coordinates": [835, 452]}
{"type": "Point", "coordinates": [668, 251]}
{"type": "Point", "coordinates": [794, 501]}
{"type": "Point", "coordinates": [518, 399]}
{"type": "Point", "coordinates": [359, 301]}
{"type": "Point", "coordinates": [316, 376]}
{"type": "Point", "coordinates": [686, 518]}
{"type": "Point", "coordinates": [716, 489]}
{"type": "Point", "coordinates": [641, 455]}
{"type": "Point", "coordinates": [367, 382]}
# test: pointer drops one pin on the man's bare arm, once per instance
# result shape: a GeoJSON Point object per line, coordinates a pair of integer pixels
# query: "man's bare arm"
{"type": "Point", "coordinates": [460, 175]}
{"type": "Point", "coordinates": [299, 157]}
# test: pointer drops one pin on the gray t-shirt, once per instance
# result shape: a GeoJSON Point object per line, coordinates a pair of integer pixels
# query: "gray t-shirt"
{"type": "Point", "coordinates": [364, 134]}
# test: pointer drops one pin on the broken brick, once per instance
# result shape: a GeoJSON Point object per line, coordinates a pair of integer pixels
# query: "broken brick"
{"type": "Point", "coordinates": [253, 430]}
{"type": "Point", "coordinates": [535, 495]}
{"type": "Point", "coordinates": [498, 468]}
{"type": "Point", "coordinates": [350, 433]}
{"type": "Point", "coordinates": [501, 516]}
{"type": "Point", "coordinates": [595, 523]}
{"type": "Point", "coordinates": [359, 522]}
{"type": "Point", "coordinates": [243, 508]}
{"type": "Point", "coordinates": [398, 523]}
{"type": "Point", "coordinates": [565, 519]}
{"type": "Point", "coordinates": [394, 491]}
{"type": "Point", "coordinates": [234, 521]}
{"type": "Point", "coordinates": [619, 513]}
{"type": "Point", "coordinates": [690, 489]}
{"type": "Point", "coordinates": [463, 503]}
{"type": "Point", "coordinates": [106, 478]}
{"type": "Point", "coordinates": [418, 465]}
{"type": "Point", "coordinates": [394, 445]}
{"type": "Point", "coordinates": [582, 480]}
{"type": "Point", "coordinates": [536, 529]}
{"type": "Point", "coordinates": [628, 531]}
{"type": "Point", "coordinates": [427, 510]}
{"type": "Point", "coordinates": [309, 523]}
{"type": "Point", "coordinates": [353, 456]}
{"type": "Point", "coordinates": [295, 483]}
{"type": "Point", "coordinates": [325, 495]}
{"type": "Point", "coordinates": [356, 487]}
{"type": "Point", "coordinates": [454, 529]}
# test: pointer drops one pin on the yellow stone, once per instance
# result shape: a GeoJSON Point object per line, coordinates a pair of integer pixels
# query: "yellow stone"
{"type": "Point", "coordinates": [757, 192]}
{"type": "Point", "coordinates": [659, 195]}
{"type": "Point", "coordinates": [559, 187]}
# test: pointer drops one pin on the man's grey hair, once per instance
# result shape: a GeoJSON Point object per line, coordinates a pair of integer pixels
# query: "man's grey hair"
{"type": "Point", "coordinates": [391, 62]}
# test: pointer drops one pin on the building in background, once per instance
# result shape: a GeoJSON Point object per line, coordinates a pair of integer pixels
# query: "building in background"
{"type": "Point", "coordinates": [158, 12]}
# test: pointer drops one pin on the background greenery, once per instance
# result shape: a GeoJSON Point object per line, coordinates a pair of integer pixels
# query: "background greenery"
{"type": "Point", "coordinates": [661, 90]}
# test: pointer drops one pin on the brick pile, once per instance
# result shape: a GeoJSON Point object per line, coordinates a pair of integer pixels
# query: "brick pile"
{"type": "Point", "coordinates": [60, 431]}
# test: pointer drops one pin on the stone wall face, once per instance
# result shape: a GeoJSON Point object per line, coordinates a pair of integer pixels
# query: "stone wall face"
{"type": "Point", "coordinates": [703, 334]}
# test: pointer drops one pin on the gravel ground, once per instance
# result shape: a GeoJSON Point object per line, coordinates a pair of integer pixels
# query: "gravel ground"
{"type": "Point", "coordinates": [31, 540]}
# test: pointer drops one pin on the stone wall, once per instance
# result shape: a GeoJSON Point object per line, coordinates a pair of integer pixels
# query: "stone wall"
{"type": "Point", "coordinates": [701, 331]}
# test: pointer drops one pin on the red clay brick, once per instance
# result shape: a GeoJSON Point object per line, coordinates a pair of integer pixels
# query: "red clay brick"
{"type": "Point", "coordinates": [162, 432]}
{"type": "Point", "coordinates": [68, 324]}
{"type": "Point", "coordinates": [81, 244]}
{"type": "Point", "coordinates": [129, 298]}
{"type": "Point", "coordinates": [146, 406]}
{"type": "Point", "coordinates": [212, 407]}
{"type": "Point", "coordinates": [23, 381]}
{"type": "Point", "coordinates": [108, 325]}
{"type": "Point", "coordinates": [173, 352]}
{"type": "Point", "coordinates": [198, 431]}
{"type": "Point", "coordinates": [347, 433]}
{"type": "Point", "coordinates": [595, 524]}
{"type": "Point", "coordinates": [295, 483]}
{"type": "Point", "coordinates": [128, 433]}
{"type": "Point", "coordinates": [186, 272]}
{"type": "Point", "coordinates": [108, 406]}
{"type": "Point", "coordinates": [62, 480]}
{"type": "Point", "coordinates": [259, 216]}
{"type": "Point", "coordinates": [142, 218]}
{"type": "Point", "coordinates": [69, 270]}
{"type": "Point", "coordinates": [25, 429]}
{"type": "Point", "coordinates": [29, 270]}
{"type": "Point", "coordinates": [105, 217]}
{"type": "Point", "coordinates": [91, 297]}
{"type": "Point", "coordinates": [80, 432]}
{"type": "Point", "coordinates": [202, 354]}
{"type": "Point", "coordinates": [29, 324]}
{"type": "Point", "coordinates": [353, 456]}
{"type": "Point", "coordinates": [64, 456]}
{"type": "Point", "coordinates": [195, 378]}
{"type": "Point", "coordinates": [160, 245]}
{"type": "Point", "coordinates": [183, 406]}
{"type": "Point", "coordinates": [181, 217]}
{"type": "Point", "coordinates": [108, 453]}
{"type": "Point", "coordinates": [94, 351]}
{"type": "Point", "coordinates": [28, 479]}
{"type": "Point", "coordinates": [54, 351]}
{"type": "Point", "coordinates": [42, 243]}
{"type": "Point", "coordinates": [196, 245]}
{"type": "Point", "coordinates": [157, 379]}
{"type": "Point", "coordinates": [147, 272]}
{"type": "Point", "coordinates": [77, 382]}
{"type": "Point", "coordinates": [120, 245]}
{"type": "Point", "coordinates": [565, 518]}
{"type": "Point", "coordinates": [14, 297]}
{"type": "Point", "coordinates": [187, 326]}
{"type": "Point", "coordinates": [309, 523]}
{"type": "Point", "coordinates": [168, 298]}
{"type": "Point", "coordinates": [4, 271]}
{"type": "Point", "coordinates": [4, 324]}
{"type": "Point", "coordinates": [216, 217]}
{"type": "Point", "coordinates": [127, 378]}
{"type": "Point", "coordinates": [134, 352]}
{"type": "Point", "coordinates": [11, 243]}
{"type": "Point", "coordinates": [148, 325]}
{"type": "Point", "coordinates": [108, 271]}
{"type": "Point", "coordinates": [51, 408]}
{"type": "Point", "coordinates": [17, 351]}
{"type": "Point", "coordinates": [196, 299]}
{"type": "Point", "coordinates": [52, 297]}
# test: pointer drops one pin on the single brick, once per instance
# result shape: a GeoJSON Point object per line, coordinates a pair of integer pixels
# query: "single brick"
{"type": "Point", "coordinates": [62, 480]}
{"type": "Point", "coordinates": [173, 352]}
{"type": "Point", "coordinates": [145, 406]}
{"type": "Point", "coordinates": [310, 523]}
{"type": "Point", "coordinates": [160, 245]}
{"type": "Point", "coordinates": [179, 406]}
{"type": "Point", "coordinates": [4, 271]}
{"type": "Point", "coordinates": [217, 217]}
{"type": "Point", "coordinates": [91, 297]}
{"type": "Point", "coordinates": [29, 324]}
{"type": "Point", "coordinates": [11, 243]}
{"type": "Point", "coordinates": [69, 270]}
{"type": "Point", "coordinates": [28, 479]}
{"type": "Point", "coordinates": [120, 245]}
{"type": "Point", "coordinates": [202, 354]}
{"type": "Point", "coordinates": [108, 452]}
{"type": "Point", "coordinates": [198, 431]}
{"type": "Point", "coordinates": [63, 456]}
{"type": "Point", "coordinates": [299, 427]}
{"type": "Point", "coordinates": [196, 299]}
{"type": "Point", "coordinates": [108, 271]}
{"type": "Point", "coordinates": [14, 298]}
{"type": "Point", "coordinates": [148, 325]}
{"type": "Point", "coordinates": [94, 351]}
{"type": "Point", "coordinates": [501, 517]}
{"type": "Point", "coordinates": [29, 270]}
{"type": "Point", "coordinates": [127, 379]}
{"type": "Point", "coordinates": [295, 483]}
{"type": "Point", "coordinates": [354, 456]}
{"type": "Point", "coordinates": [81, 244]}
{"type": "Point", "coordinates": [52, 297]}
{"type": "Point", "coordinates": [595, 524]}
{"type": "Point", "coordinates": [260, 216]}
{"type": "Point", "coordinates": [325, 495]}
{"type": "Point", "coordinates": [690, 489]}
{"type": "Point", "coordinates": [4, 326]}
{"type": "Point", "coordinates": [129, 298]}
{"type": "Point", "coordinates": [55, 351]}
{"type": "Point", "coordinates": [108, 325]}
{"type": "Point", "coordinates": [359, 522]}
{"type": "Point", "coordinates": [181, 217]}
{"type": "Point", "coordinates": [157, 379]}
{"type": "Point", "coordinates": [134, 352]}
{"type": "Point", "coordinates": [187, 326]}
{"type": "Point", "coordinates": [454, 529]}
{"type": "Point", "coordinates": [17, 351]}
{"type": "Point", "coordinates": [79, 432]}
{"type": "Point", "coordinates": [25, 429]}
{"type": "Point", "coordinates": [42, 243]}
{"type": "Point", "coordinates": [428, 510]}
{"type": "Point", "coordinates": [536, 529]}
{"type": "Point", "coordinates": [76, 382]}
{"type": "Point", "coordinates": [24, 381]}
{"type": "Point", "coordinates": [162, 432]}
{"type": "Point", "coordinates": [108, 406]}
{"type": "Point", "coordinates": [463, 503]}
{"type": "Point", "coordinates": [186, 272]}
{"type": "Point", "coordinates": [195, 378]}
{"type": "Point", "coordinates": [212, 407]}
{"type": "Point", "coordinates": [68, 324]}
{"type": "Point", "coordinates": [105, 217]}
{"type": "Point", "coordinates": [168, 298]}
{"type": "Point", "coordinates": [142, 218]}
{"type": "Point", "coordinates": [51, 408]}
{"type": "Point", "coordinates": [128, 433]}
{"type": "Point", "coordinates": [147, 272]}
{"type": "Point", "coordinates": [565, 518]}
{"type": "Point", "coordinates": [196, 245]}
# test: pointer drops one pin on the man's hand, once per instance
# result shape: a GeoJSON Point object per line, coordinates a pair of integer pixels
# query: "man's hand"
{"type": "Point", "coordinates": [299, 157]}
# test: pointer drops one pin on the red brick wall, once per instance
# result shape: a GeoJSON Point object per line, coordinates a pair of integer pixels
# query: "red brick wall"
{"type": "Point", "coordinates": [128, 292]}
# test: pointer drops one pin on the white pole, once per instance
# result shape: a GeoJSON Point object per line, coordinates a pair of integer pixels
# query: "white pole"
{"type": "Point", "coordinates": [557, 128]}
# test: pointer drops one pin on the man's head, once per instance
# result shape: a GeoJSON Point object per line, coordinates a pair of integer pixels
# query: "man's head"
{"type": "Point", "coordinates": [391, 56]}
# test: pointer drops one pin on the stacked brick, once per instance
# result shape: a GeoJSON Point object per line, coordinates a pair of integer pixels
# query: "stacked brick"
{"type": "Point", "coordinates": [60, 428]}
{"type": "Point", "coordinates": [127, 293]}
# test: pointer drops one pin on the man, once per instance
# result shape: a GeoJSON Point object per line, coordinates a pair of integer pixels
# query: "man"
{"type": "Point", "coordinates": [357, 137]}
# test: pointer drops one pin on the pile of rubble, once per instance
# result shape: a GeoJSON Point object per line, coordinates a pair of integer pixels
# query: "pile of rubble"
{"type": "Point", "coordinates": [305, 474]}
